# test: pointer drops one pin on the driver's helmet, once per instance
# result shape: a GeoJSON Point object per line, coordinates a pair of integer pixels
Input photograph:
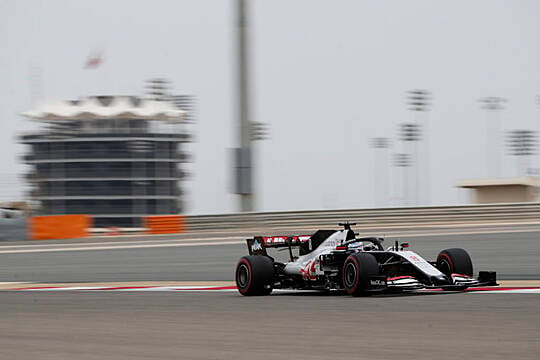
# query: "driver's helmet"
{"type": "Point", "coordinates": [362, 246]}
{"type": "Point", "coordinates": [369, 246]}
{"type": "Point", "coordinates": [356, 246]}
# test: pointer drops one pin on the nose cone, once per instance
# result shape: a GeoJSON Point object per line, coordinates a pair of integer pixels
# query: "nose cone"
{"type": "Point", "coordinates": [440, 280]}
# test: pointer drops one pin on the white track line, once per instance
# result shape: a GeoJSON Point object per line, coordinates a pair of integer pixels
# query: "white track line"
{"type": "Point", "coordinates": [211, 241]}
{"type": "Point", "coordinates": [476, 232]}
{"type": "Point", "coordinates": [230, 289]}
{"type": "Point", "coordinates": [107, 243]}
{"type": "Point", "coordinates": [116, 247]}
{"type": "Point", "coordinates": [514, 291]}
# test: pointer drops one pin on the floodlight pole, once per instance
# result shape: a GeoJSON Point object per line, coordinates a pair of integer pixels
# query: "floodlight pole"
{"type": "Point", "coordinates": [493, 105]}
{"type": "Point", "coordinates": [411, 133]}
{"type": "Point", "coordinates": [538, 104]}
{"type": "Point", "coordinates": [419, 101]}
{"type": "Point", "coordinates": [247, 198]}
{"type": "Point", "coordinates": [379, 144]}
{"type": "Point", "coordinates": [403, 160]}
{"type": "Point", "coordinates": [522, 144]}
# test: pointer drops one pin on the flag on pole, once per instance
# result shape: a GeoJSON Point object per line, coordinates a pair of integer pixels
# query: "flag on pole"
{"type": "Point", "coordinates": [93, 61]}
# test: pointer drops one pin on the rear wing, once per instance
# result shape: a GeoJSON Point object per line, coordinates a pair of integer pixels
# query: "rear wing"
{"type": "Point", "coordinates": [258, 244]}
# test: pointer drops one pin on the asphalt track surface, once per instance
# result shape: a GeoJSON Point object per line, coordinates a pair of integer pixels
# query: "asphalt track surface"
{"type": "Point", "coordinates": [129, 325]}
{"type": "Point", "coordinates": [514, 255]}
{"type": "Point", "coordinates": [225, 325]}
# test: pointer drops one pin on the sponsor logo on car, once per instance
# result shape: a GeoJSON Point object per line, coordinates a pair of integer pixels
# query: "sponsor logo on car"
{"type": "Point", "coordinates": [377, 282]}
{"type": "Point", "coordinates": [271, 240]}
{"type": "Point", "coordinates": [256, 246]}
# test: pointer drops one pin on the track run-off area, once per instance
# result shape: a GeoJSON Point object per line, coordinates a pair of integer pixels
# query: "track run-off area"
{"type": "Point", "coordinates": [172, 297]}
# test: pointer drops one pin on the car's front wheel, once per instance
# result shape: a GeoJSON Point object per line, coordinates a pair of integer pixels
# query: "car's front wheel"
{"type": "Point", "coordinates": [356, 271]}
{"type": "Point", "coordinates": [455, 261]}
{"type": "Point", "coordinates": [254, 275]}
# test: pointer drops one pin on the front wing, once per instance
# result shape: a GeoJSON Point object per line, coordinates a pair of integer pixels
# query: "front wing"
{"type": "Point", "coordinates": [459, 282]}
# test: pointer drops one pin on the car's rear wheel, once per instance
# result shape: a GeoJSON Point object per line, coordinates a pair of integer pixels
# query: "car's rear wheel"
{"type": "Point", "coordinates": [356, 272]}
{"type": "Point", "coordinates": [455, 261]}
{"type": "Point", "coordinates": [255, 275]}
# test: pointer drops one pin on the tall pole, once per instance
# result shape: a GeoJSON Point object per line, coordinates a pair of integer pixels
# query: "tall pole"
{"type": "Point", "coordinates": [379, 144]}
{"type": "Point", "coordinates": [247, 198]}
{"type": "Point", "coordinates": [410, 133]}
{"type": "Point", "coordinates": [493, 104]}
{"type": "Point", "coordinates": [419, 102]}
{"type": "Point", "coordinates": [522, 144]}
{"type": "Point", "coordinates": [536, 171]}
{"type": "Point", "coordinates": [403, 160]}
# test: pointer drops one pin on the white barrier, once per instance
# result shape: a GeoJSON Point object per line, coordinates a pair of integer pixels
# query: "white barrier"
{"type": "Point", "coordinates": [522, 212]}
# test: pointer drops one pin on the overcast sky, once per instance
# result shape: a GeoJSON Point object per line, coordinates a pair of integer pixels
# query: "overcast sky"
{"type": "Point", "coordinates": [327, 76]}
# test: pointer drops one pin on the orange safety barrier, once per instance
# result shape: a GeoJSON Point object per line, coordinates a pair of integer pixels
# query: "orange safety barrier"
{"type": "Point", "coordinates": [165, 224]}
{"type": "Point", "coordinates": [59, 226]}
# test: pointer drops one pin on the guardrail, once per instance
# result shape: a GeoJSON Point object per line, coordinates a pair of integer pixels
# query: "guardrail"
{"type": "Point", "coordinates": [369, 217]}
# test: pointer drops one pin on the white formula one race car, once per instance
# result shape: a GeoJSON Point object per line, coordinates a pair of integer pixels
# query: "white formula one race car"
{"type": "Point", "coordinates": [338, 260]}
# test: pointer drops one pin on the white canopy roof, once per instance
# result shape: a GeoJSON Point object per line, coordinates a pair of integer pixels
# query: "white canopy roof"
{"type": "Point", "coordinates": [106, 107]}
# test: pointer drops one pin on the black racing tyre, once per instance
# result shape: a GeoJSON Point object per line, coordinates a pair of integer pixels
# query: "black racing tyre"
{"type": "Point", "coordinates": [255, 275]}
{"type": "Point", "coordinates": [455, 261]}
{"type": "Point", "coordinates": [356, 271]}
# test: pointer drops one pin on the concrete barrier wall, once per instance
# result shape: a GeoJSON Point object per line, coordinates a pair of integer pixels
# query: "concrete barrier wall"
{"type": "Point", "coordinates": [498, 213]}
{"type": "Point", "coordinates": [16, 229]}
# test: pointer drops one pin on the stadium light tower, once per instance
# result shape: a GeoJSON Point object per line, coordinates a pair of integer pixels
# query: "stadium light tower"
{"type": "Point", "coordinates": [158, 89]}
{"type": "Point", "coordinates": [249, 131]}
{"type": "Point", "coordinates": [419, 101]}
{"type": "Point", "coordinates": [493, 105]}
{"type": "Point", "coordinates": [536, 171]}
{"type": "Point", "coordinates": [380, 144]}
{"type": "Point", "coordinates": [403, 160]}
{"type": "Point", "coordinates": [522, 144]}
{"type": "Point", "coordinates": [411, 133]}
